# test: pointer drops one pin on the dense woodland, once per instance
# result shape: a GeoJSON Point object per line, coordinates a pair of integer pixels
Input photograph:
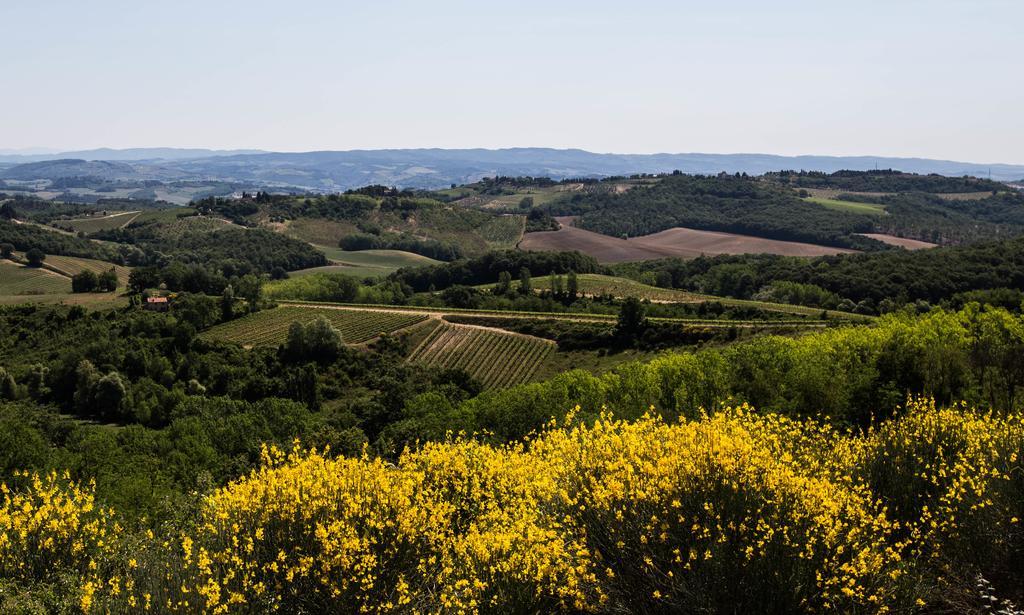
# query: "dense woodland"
{"type": "Point", "coordinates": [735, 204]}
{"type": "Point", "coordinates": [892, 278]}
{"type": "Point", "coordinates": [770, 207]}
{"type": "Point", "coordinates": [885, 180]}
{"type": "Point", "coordinates": [24, 237]}
{"type": "Point", "coordinates": [928, 217]}
{"type": "Point", "coordinates": [257, 250]}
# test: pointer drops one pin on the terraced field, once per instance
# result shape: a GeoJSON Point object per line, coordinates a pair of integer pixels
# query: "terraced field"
{"type": "Point", "coordinates": [495, 358]}
{"type": "Point", "coordinates": [270, 327]}
{"type": "Point", "coordinates": [19, 280]}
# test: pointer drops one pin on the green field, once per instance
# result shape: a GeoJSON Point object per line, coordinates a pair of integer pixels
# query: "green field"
{"type": "Point", "coordinates": [319, 231]}
{"type": "Point", "coordinates": [366, 263]}
{"type": "Point", "coordinates": [100, 223]}
{"type": "Point", "coordinates": [18, 280]}
{"type": "Point", "coordinates": [495, 358]}
{"type": "Point", "coordinates": [870, 209]}
{"type": "Point", "coordinates": [270, 327]}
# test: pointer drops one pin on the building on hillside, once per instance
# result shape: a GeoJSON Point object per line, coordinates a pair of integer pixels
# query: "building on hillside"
{"type": "Point", "coordinates": [157, 304]}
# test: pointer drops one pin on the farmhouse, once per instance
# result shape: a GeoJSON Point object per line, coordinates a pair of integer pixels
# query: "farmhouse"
{"type": "Point", "coordinates": [157, 304]}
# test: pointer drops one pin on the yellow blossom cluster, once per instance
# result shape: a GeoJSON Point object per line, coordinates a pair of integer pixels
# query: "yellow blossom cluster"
{"type": "Point", "coordinates": [955, 478]}
{"type": "Point", "coordinates": [50, 524]}
{"type": "Point", "coordinates": [737, 511]}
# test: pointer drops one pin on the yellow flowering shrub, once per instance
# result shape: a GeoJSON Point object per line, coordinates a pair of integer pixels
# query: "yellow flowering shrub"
{"type": "Point", "coordinates": [733, 512]}
{"type": "Point", "coordinates": [956, 477]}
{"type": "Point", "coordinates": [454, 527]}
{"type": "Point", "coordinates": [702, 516]}
{"type": "Point", "coordinates": [51, 526]}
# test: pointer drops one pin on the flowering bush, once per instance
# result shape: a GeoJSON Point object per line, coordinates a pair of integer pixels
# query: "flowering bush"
{"type": "Point", "coordinates": [51, 525]}
{"type": "Point", "coordinates": [736, 511]}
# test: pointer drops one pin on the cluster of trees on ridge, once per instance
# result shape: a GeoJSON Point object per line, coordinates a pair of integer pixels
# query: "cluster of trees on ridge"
{"type": "Point", "coordinates": [729, 203]}
{"type": "Point", "coordinates": [25, 237]}
{"type": "Point", "coordinates": [989, 272]}
{"type": "Point", "coordinates": [260, 250]}
{"type": "Point", "coordinates": [885, 180]}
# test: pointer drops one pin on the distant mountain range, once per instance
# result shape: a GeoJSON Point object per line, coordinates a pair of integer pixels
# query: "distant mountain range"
{"type": "Point", "coordinates": [329, 171]}
{"type": "Point", "coordinates": [106, 153]}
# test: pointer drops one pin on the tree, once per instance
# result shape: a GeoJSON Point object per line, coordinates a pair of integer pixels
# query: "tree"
{"type": "Point", "coordinates": [6, 250]}
{"type": "Point", "coordinates": [107, 281]}
{"type": "Point", "coordinates": [632, 318]}
{"type": "Point", "coordinates": [250, 288]}
{"type": "Point", "coordinates": [35, 257]}
{"type": "Point", "coordinates": [572, 285]}
{"type": "Point", "coordinates": [142, 278]}
{"type": "Point", "coordinates": [555, 282]}
{"type": "Point", "coordinates": [526, 203]}
{"type": "Point", "coordinates": [323, 341]}
{"type": "Point", "coordinates": [110, 395]}
{"type": "Point", "coordinates": [318, 341]}
{"type": "Point", "coordinates": [227, 303]}
{"type": "Point", "coordinates": [8, 387]}
{"type": "Point", "coordinates": [295, 343]}
{"type": "Point", "coordinates": [86, 376]}
{"type": "Point", "coordinates": [504, 284]}
{"type": "Point", "coordinates": [83, 282]}
{"type": "Point", "coordinates": [525, 281]}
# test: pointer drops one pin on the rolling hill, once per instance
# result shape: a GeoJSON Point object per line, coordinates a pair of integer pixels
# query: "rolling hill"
{"type": "Point", "coordinates": [329, 171]}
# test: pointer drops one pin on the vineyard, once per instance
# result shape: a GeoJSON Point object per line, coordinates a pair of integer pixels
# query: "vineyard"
{"type": "Point", "coordinates": [503, 232]}
{"type": "Point", "coordinates": [20, 280]}
{"type": "Point", "coordinates": [270, 327]}
{"type": "Point", "coordinates": [495, 358]}
{"type": "Point", "coordinates": [70, 265]}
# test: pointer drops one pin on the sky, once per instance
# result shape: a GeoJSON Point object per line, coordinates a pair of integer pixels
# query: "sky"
{"type": "Point", "coordinates": [928, 78]}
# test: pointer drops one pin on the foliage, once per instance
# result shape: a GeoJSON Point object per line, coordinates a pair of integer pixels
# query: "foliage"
{"type": "Point", "coordinates": [487, 268]}
{"type": "Point", "coordinates": [87, 281]}
{"type": "Point", "coordinates": [25, 237]}
{"type": "Point", "coordinates": [241, 250]}
{"type": "Point", "coordinates": [442, 251]}
{"type": "Point", "coordinates": [609, 516]}
{"type": "Point", "coordinates": [884, 180]}
{"type": "Point", "coordinates": [35, 257]}
{"type": "Point", "coordinates": [735, 204]}
{"type": "Point", "coordinates": [899, 275]}
{"type": "Point", "coordinates": [334, 287]}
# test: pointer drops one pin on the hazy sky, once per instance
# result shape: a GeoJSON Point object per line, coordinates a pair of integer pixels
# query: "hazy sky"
{"type": "Point", "coordinates": [935, 78]}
